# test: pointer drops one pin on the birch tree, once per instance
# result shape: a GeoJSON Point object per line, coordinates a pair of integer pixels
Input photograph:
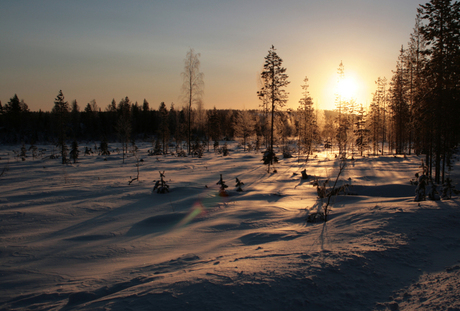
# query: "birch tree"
{"type": "Point", "coordinates": [192, 86]}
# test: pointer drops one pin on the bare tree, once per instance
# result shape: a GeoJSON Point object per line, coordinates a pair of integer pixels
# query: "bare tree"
{"type": "Point", "coordinates": [192, 86]}
{"type": "Point", "coordinates": [123, 126]}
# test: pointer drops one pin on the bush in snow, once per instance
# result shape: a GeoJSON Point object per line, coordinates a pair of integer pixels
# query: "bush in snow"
{"type": "Point", "coordinates": [325, 193]}
{"type": "Point", "coordinates": [181, 153]}
{"type": "Point", "coordinates": [103, 148]}
{"type": "Point", "coordinates": [88, 151]}
{"type": "Point", "coordinates": [222, 185]}
{"type": "Point", "coordinates": [447, 189]}
{"type": "Point", "coordinates": [287, 154]}
{"type": "Point", "coordinates": [34, 151]}
{"type": "Point", "coordinates": [160, 185]}
{"type": "Point", "coordinates": [224, 150]}
{"type": "Point", "coordinates": [420, 191]}
{"type": "Point", "coordinates": [304, 174]}
{"type": "Point", "coordinates": [74, 152]}
{"type": "Point", "coordinates": [432, 191]}
{"type": "Point", "coordinates": [23, 152]}
{"type": "Point", "coordinates": [269, 158]}
{"type": "Point", "coordinates": [239, 183]}
{"type": "Point", "coordinates": [197, 149]}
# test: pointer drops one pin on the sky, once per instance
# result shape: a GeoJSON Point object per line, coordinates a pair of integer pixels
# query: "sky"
{"type": "Point", "coordinates": [106, 50]}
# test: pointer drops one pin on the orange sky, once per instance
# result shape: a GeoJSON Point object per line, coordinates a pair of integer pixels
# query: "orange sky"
{"type": "Point", "coordinates": [112, 49]}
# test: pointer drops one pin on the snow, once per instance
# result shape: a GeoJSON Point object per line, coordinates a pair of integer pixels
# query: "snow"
{"type": "Point", "coordinates": [78, 237]}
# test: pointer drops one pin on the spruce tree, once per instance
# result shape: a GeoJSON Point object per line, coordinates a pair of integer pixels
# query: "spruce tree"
{"type": "Point", "coordinates": [306, 120]}
{"type": "Point", "coordinates": [274, 79]}
{"type": "Point", "coordinates": [61, 113]}
{"type": "Point", "coordinates": [399, 105]}
{"type": "Point", "coordinates": [442, 34]}
{"type": "Point", "coordinates": [163, 130]}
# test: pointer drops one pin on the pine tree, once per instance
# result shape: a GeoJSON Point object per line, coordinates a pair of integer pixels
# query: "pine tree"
{"type": "Point", "coordinates": [222, 187]}
{"type": "Point", "coordinates": [214, 126]}
{"type": "Point", "coordinates": [164, 126]}
{"type": "Point", "coordinates": [239, 184]}
{"type": "Point", "coordinates": [104, 147]}
{"type": "Point", "coordinates": [172, 121]}
{"type": "Point", "coordinates": [306, 120]}
{"type": "Point", "coordinates": [361, 132]}
{"type": "Point", "coordinates": [442, 34]}
{"type": "Point", "coordinates": [274, 79]}
{"type": "Point", "coordinates": [61, 112]}
{"type": "Point", "coordinates": [398, 103]}
{"type": "Point", "coordinates": [161, 186]}
{"type": "Point", "coordinates": [15, 112]}
{"type": "Point", "coordinates": [342, 121]}
{"type": "Point", "coordinates": [415, 61]}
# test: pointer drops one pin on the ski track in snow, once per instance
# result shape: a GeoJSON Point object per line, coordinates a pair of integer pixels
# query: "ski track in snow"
{"type": "Point", "coordinates": [78, 237]}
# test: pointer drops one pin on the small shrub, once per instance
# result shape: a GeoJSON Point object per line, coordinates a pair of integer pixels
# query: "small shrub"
{"type": "Point", "coordinates": [239, 183]}
{"type": "Point", "coordinates": [160, 185]}
{"type": "Point", "coordinates": [222, 187]}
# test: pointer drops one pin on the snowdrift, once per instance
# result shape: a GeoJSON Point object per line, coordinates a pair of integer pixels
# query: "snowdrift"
{"type": "Point", "coordinates": [78, 237]}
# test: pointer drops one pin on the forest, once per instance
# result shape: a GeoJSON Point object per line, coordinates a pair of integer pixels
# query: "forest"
{"type": "Point", "coordinates": [141, 206]}
{"type": "Point", "coordinates": [416, 111]}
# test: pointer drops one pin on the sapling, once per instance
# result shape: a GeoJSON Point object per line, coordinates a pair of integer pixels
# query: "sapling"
{"type": "Point", "coordinates": [222, 184]}
{"type": "Point", "coordinates": [157, 149]}
{"type": "Point", "coordinates": [420, 191]}
{"type": "Point", "coordinates": [104, 148]}
{"type": "Point", "coordinates": [197, 149]}
{"type": "Point", "coordinates": [160, 185]}
{"type": "Point", "coordinates": [447, 189]}
{"type": "Point", "coordinates": [324, 193]}
{"type": "Point", "coordinates": [433, 193]}
{"type": "Point", "coordinates": [34, 151]}
{"type": "Point", "coordinates": [137, 168]}
{"type": "Point", "coordinates": [224, 150]}
{"type": "Point", "coordinates": [304, 174]}
{"type": "Point", "coordinates": [74, 152]}
{"type": "Point", "coordinates": [23, 152]}
{"type": "Point", "coordinates": [269, 158]}
{"type": "Point", "coordinates": [239, 183]}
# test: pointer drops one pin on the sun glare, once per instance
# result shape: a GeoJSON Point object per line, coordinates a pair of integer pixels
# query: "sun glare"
{"type": "Point", "coordinates": [347, 88]}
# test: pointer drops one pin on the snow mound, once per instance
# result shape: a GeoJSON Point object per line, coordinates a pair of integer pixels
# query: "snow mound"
{"type": "Point", "coordinates": [78, 237]}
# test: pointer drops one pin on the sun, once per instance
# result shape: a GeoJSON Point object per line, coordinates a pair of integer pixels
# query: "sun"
{"type": "Point", "coordinates": [346, 88]}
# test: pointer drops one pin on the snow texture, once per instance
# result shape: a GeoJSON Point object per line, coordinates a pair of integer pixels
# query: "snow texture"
{"type": "Point", "coordinates": [78, 237]}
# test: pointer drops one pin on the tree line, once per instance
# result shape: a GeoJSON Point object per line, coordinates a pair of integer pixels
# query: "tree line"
{"type": "Point", "coordinates": [416, 111]}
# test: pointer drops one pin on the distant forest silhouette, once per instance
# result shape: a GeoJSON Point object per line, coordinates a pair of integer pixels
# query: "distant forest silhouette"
{"type": "Point", "coordinates": [417, 110]}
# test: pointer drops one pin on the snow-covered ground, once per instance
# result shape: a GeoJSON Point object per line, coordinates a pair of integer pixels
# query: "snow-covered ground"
{"type": "Point", "coordinates": [78, 237]}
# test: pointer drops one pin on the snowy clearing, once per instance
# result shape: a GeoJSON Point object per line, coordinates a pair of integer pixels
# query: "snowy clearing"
{"type": "Point", "coordinates": [78, 237]}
